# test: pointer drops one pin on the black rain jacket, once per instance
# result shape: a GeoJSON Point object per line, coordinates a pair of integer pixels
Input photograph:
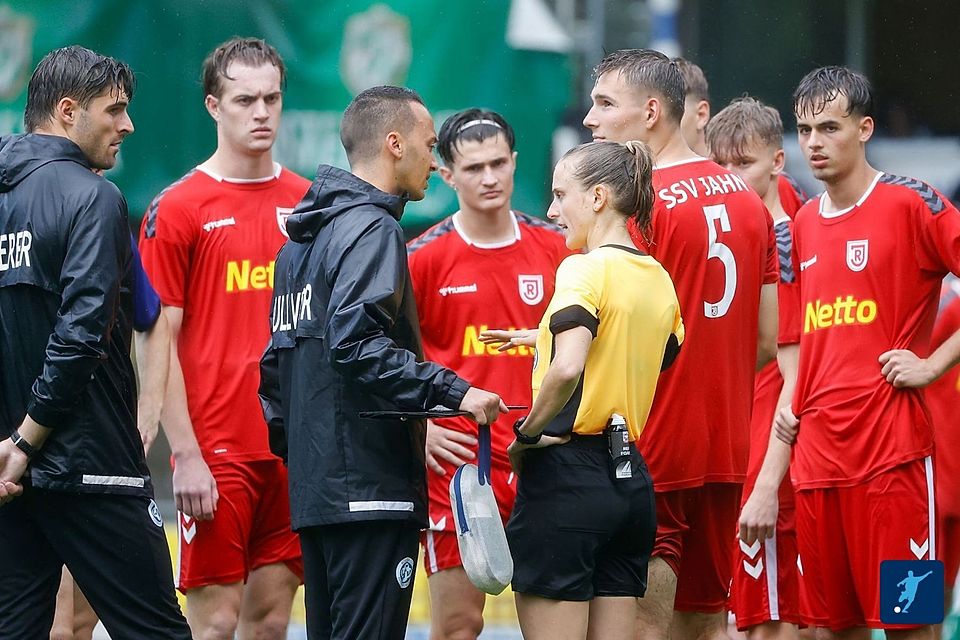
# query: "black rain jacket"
{"type": "Point", "coordinates": [345, 338]}
{"type": "Point", "coordinates": [66, 318]}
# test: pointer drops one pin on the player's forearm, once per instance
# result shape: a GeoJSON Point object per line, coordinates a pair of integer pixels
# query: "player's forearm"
{"type": "Point", "coordinates": [767, 325]}
{"type": "Point", "coordinates": [946, 356]}
{"type": "Point", "coordinates": [175, 417]}
{"type": "Point", "coordinates": [153, 368]}
{"type": "Point", "coordinates": [555, 392]}
{"type": "Point", "coordinates": [776, 461]}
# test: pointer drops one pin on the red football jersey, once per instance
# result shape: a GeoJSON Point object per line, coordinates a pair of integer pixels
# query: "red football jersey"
{"type": "Point", "coordinates": [462, 289]}
{"type": "Point", "coordinates": [769, 382]}
{"type": "Point", "coordinates": [943, 401]}
{"type": "Point", "coordinates": [792, 195]}
{"type": "Point", "coordinates": [208, 245]}
{"type": "Point", "coordinates": [714, 237]}
{"type": "Point", "coordinates": [869, 282]}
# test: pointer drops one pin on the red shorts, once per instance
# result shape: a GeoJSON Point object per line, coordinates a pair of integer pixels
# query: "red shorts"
{"type": "Point", "coordinates": [696, 537]}
{"type": "Point", "coordinates": [766, 585]}
{"type": "Point", "coordinates": [250, 528]}
{"type": "Point", "coordinates": [844, 533]}
{"type": "Point", "coordinates": [440, 549]}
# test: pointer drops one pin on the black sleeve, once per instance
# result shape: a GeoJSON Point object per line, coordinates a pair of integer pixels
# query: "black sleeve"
{"type": "Point", "coordinates": [96, 258]}
{"type": "Point", "coordinates": [365, 302]}
{"type": "Point", "coordinates": [671, 352]}
{"type": "Point", "coordinates": [573, 316]}
{"type": "Point", "coordinates": [270, 401]}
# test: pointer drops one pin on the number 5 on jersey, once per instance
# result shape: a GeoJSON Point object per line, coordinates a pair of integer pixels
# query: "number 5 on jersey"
{"type": "Point", "coordinates": [718, 213]}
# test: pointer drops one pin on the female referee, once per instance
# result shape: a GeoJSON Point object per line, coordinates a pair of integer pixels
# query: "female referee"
{"type": "Point", "coordinates": [583, 524]}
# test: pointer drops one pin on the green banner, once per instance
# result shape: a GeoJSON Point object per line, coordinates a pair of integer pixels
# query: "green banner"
{"type": "Point", "coordinates": [455, 54]}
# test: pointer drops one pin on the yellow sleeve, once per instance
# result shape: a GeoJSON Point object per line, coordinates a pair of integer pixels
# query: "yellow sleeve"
{"type": "Point", "coordinates": [576, 298]}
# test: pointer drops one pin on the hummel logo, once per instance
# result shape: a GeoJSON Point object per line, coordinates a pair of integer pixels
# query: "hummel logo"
{"type": "Point", "coordinates": [469, 288]}
{"type": "Point", "coordinates": [216, 224]}
{"type": "Point", "coordinates": [439, 525]}
{"type": "Point", "coordinates": [808, 263]}
{"type": "Point", "coordinates": [919, 550]}
{"type": "Point", "coordinates": [188, 528]}
{"type": "Point", "coordinates": [751, 550]}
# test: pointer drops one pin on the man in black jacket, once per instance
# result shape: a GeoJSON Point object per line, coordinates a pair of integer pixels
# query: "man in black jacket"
{"type": "Point", "coordinates": [74, 487]}
{"type": "Point", "coordinates": [345, 338]}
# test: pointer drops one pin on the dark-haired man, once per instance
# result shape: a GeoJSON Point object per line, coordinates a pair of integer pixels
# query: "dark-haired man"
{"type": "Point", "coordinates": [346, 339]}
{"type": "Point", "coordinates": [208, 242]}
{"type": "Point", "coordinates": [873, 250]}
{"type": "Point", "coordinates": [74, 487]}
{"type": "Point", "coordinates": [713, 235]}
{"type": "Point", "coordinates": [484, 266]}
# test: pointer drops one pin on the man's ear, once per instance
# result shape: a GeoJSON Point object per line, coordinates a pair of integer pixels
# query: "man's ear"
{"type": "Point", "coordinates": [212, 103]}
{"type": "Point", "coordinates": [779, 160]}
{"type": "Point", "coordinates": [66, 110]}
{"type": "Point", "coordinates": [447, 176]}
{"type": "Point", "coordinates": [652, 112]}
{"type": "Point", "coordinates": [395, 143]}
{"type": "Point", "coordinates": [703, 115]}
{"type": "Point", "coordinates": [866, 128]}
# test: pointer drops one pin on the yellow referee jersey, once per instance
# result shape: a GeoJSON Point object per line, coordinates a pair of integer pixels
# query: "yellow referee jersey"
{"type": "Point", "coordinates": [627, 301]}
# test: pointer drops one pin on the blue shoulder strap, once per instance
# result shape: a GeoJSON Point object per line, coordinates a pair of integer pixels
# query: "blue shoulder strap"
{"type": "Point", "coordinates": [483, 461]}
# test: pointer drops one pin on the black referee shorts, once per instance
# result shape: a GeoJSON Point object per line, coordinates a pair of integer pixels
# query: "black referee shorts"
{"type": "Point", "coordinates": [358, 579]}
{"type": "Point", "coordinates": [113, 545]}
{"type": "Point", "coordinates": [576, 533]}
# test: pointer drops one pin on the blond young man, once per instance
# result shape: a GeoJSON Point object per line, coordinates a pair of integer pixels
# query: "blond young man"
{"type": "Point", "coordinates": [746, 137]}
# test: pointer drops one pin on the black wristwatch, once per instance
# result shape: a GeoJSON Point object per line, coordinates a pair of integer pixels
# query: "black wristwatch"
{"type": "Point", "coordinates": [22, 444]}
{"type": "Point", "coordinates": [523, 438]}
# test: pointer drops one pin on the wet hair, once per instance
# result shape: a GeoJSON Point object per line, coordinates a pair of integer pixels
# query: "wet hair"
{"type": "Point", "coordinates": [472, 125]}
{"type": "Point", "coordinates": [693, 79]}
{"type": "Point", "coordinates": [744, 122]}
{"type": "Point", "coordinates": [625, 169]}
{"type": "Point", "coordinates": [651, 70]}
{"type": "Point", "coordinates": [250, 52]}
{"type": "Point", "coordinates": [371, 115]}
{"type": "Point", "coordinates": [72, 72]}
{"type": "Point", "coordinates": [822, 85]}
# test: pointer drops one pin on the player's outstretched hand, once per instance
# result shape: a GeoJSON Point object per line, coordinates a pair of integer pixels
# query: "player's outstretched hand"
{"type": "Point", "coordinates": [449, 445]}
{"type": "Point", "coordinates": [758, 518]}
{"type": "Point", "coordinates": [194, 487]}
{"type": "Point", "coordinates": [13, 463]}
{"type": "Point", "coordinates": [902, 368]}
{"type": "Point", "coordinates": [786, 425]}
{"type": "Point", "coordinates": [516, 449]}
{"type": "Point", "coordinates": [482, 405]}
{"type": "Point", "coordinates": [509, 339]}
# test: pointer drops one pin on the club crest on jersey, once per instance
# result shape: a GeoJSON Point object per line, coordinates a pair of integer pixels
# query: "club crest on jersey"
{"type": "Point", "coordinates": [282, 214]}
{"type": "Point", "coordinates": [531, 288]}
{"type": "Point", "coordinates": [857, 253]}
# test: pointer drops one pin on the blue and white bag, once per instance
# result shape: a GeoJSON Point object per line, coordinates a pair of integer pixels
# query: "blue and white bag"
{"type": "Point", "coordinates": [480, 535]}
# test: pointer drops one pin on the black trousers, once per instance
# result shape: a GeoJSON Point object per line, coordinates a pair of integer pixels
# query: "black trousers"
{"type": "Point", "coordinates": [115, 550]}
{"type": "Point", "coordinates": [358, 579]}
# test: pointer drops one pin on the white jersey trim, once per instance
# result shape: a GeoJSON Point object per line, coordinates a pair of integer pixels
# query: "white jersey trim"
{"type": "Point", "coordinates": [380, 505]}
{"type": "Point", "coordinates": [837, 214]}
{"type": "Point", "coordinates": [113, 481]}
{"type": "Point", "coordinates": [486, 245]}
{"type": "Point", "coordinates": [276, 174]}
{"type": "Point", "coordinates": [679, 162]}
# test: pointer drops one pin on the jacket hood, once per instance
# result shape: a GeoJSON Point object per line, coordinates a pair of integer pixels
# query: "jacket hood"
{"type": "Point", "coordinates": [333, 192]}
{"type": "Point", "coordinates": [22, 154]}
